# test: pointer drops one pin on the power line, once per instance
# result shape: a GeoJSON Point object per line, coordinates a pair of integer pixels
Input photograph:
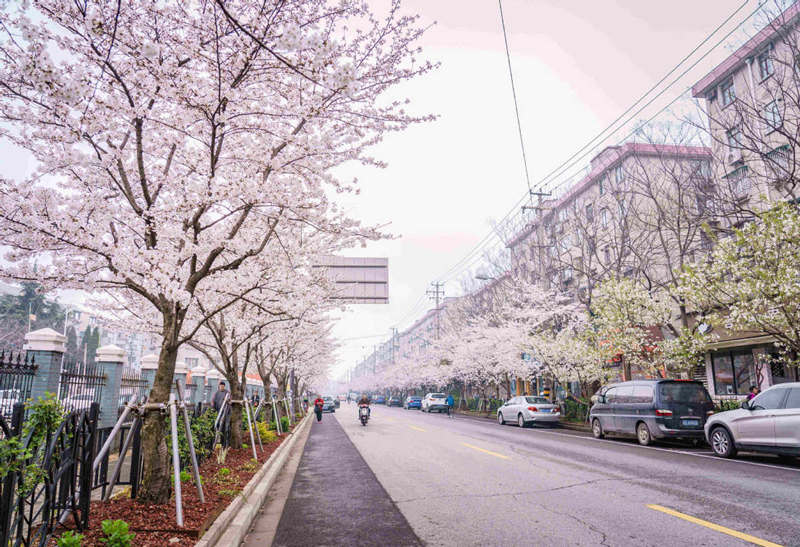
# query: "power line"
{"type": "Point", "coordinates": [514, 94]}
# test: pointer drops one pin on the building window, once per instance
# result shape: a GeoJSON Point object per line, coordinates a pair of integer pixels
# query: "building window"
{"type": "Point", "coordinates": [728, 93]}
{"type": "Point", "coordinates": [562, 215]}
{"type": "Point", "coordinates": [773, 116]}
{"type": "Point", "coordinates": [600, 186]}
{"type": "Point", "coordinates": [618, 175]}
{"type": "Point", "coordinates": [589, 213]}
{"type": "Point", "coordinates": [734, 372]}
{"type": "Point", "coordinates": [779, 159]}
{"type": "Point", "coordinates": [734, 137]}
{"type": "Point", "coordinates": [604, 217]}
{"type": "Point", "coordinates": [606, 255]}
{"type": "Point", "coordinates": [739, 181]}
{"type": "Point", "coordinates": [765, 67]}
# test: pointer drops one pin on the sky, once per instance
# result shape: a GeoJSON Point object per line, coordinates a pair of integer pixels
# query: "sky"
{"type": "Point", "coordinates": [577, 66]}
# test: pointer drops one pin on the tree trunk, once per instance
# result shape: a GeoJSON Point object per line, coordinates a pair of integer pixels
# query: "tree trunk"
{"type": "Point", "coordinates": [156, 464]}
{"type": "Point", "coordinates": [236, 409]}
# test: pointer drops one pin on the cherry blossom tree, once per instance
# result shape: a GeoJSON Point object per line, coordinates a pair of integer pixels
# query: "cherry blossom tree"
{"type": "Point", "coordinates": [752, 280]}
{"type": "Point", "coordinates": [174, 142]}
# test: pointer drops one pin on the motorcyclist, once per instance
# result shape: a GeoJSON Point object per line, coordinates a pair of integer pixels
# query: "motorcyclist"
{"type": "Point", "coordinates": [364, 400]}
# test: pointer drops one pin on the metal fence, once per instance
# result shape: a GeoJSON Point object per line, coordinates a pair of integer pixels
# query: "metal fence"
{"type": "Point", "coordinates": [16, 380]}
{"type": "Point", "coordinates": [131, 387]}
{"type": "Point", "coordinates": [81, 385]}
{"type": "Point", "coordinates": [52, 483]}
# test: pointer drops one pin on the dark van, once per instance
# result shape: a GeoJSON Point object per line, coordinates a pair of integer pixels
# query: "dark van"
{"type": "Point", "coordinates": [651, 409]}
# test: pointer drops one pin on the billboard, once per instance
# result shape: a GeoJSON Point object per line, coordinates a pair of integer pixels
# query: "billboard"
{"type": "Point", "coordinates": [359, 280]}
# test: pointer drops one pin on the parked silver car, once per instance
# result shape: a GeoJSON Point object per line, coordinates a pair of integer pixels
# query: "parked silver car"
{"type": "Point", "coordinates": [770, 422]}
{"type": "Point", "coordinates": [526, 410]}
{"type": "Point", "coordinates": [434, 402]}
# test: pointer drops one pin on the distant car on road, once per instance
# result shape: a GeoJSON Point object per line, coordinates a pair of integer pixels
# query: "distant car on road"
{"type": "Point", "coordinates": [413, 401]}
{"type": "Point", "coordinates": [651, 409]}
{"type": "Point", "coordinates": [379, 400]}
{"type": "Point", "coordinates": [434, 402]}
{"type": "Point", "coordinates": [527, 410]}
{"type": "Point", "coordinates": [770, 422]}
{"type": "Point", "coordinates": [328, 404]}
{"type": "Point", "coordinates": [394, 401]}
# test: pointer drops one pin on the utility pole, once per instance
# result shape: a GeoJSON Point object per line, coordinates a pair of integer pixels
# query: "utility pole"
{"type": "Point", "coordinates": [436, 294]}
{"type": "Point", "coordinates": [394, 342]}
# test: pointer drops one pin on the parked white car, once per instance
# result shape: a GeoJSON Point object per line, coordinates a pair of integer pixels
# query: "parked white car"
{"type": "Point", "coordinates": [434, 402]}
{"type": "Point", "coordinates": [770, 422]}
{"type": "Point", "coordinates": [526, 410]}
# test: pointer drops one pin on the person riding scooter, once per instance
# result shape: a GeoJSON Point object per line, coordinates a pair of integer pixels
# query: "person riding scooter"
{"type": "Point", "coordinates": [364, 401]}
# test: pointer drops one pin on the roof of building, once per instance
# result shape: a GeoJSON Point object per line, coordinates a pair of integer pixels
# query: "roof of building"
{"type": "Point", "coordinates": [732, 63]}
{"type": "Point", "coordinates": [609, 157]}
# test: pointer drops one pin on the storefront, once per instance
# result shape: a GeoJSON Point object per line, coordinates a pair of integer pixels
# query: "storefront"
{"type": "Point", "coordinates": [732, 371]}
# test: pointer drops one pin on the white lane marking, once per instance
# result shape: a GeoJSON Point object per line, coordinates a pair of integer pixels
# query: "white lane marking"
{"type": "Point", "coordinates": [670, 451]}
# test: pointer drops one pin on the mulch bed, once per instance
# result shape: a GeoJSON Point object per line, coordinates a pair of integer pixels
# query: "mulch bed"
{"type": "Point", "coordinates": [155, 525]}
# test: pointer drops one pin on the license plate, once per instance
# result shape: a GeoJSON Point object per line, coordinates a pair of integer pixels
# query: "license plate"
{"type": "Point", "coordinates": [691, 422]}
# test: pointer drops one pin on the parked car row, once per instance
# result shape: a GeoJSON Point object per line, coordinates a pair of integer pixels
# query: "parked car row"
{"type": "Point", "coordinates": [683, 409]}
{"type": "Point", "coordinates": [527, 410]}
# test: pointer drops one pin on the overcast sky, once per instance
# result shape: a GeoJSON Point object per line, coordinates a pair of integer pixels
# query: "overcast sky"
{"type": "Point", "coordinates": [577, 65]}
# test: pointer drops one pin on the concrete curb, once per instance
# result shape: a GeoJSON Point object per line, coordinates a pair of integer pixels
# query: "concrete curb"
{"type": "Point", "coordinates": [576, 426]}
{"type": "Point", "coordinates": [235, 521]}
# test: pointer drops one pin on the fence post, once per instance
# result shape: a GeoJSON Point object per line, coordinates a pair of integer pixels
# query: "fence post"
{"type": "Point", "coordinates": [46, 347]}
{"type": "Point", "coordinates": [180, 374]}
{"type": "Point", "coordinates": [199, 381]}
{"type": "Point", "coordinates": [111, 359]}
{"type": "Point", "coordinates": [149, 367]}
{"type": "Point", "coordinates": [212, 377]}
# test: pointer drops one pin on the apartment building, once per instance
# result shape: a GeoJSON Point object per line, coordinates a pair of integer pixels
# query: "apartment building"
{"type": "Point", "coordinates": [752, 100]}
{"type": "Point", "coordinates": [601, 225]}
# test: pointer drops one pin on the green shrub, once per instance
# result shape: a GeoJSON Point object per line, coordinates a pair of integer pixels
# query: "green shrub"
{"type": "Point", "coordinates": [272, 426]}
{"type": "Point", "coordinates": [202, 434]}
{"type": "Point", "coordinates": [116, 533]}
{"type": "Point", "coordinates": [69, 539]}
{"type": "Point", "coordinates": [245, 446]}
{"type": "Point", "coordinates": [229, 493]}
{"type": "Point", "coordinates": [267, 436]}
{"type": "Point", "coordinates": [224, 472]}
{"type": "Point", "coordinates": [285, 424]}
{"type": "Point", "coordinates": [185, 476]}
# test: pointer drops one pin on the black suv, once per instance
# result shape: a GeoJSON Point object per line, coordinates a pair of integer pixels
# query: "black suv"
{"type": "Point", "coordinates": [652, 409]}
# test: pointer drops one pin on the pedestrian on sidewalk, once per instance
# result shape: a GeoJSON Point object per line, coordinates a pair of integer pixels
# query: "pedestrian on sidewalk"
{"type": "Point", "coordinates": [219, 397]}
{"type": "Point", "coordinates": [753, 392]}
{"type": "Point", "coordinates": [318, 404]}
{"type": "Point", "coordinates": [450, 403]}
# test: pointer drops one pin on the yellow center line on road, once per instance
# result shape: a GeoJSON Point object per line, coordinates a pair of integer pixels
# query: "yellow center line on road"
{"type": "Point", "coordinates": [479, 449]}
{"type": "Point", "coordinates": [415, 428]}
{"type": "Point", "coordinates": [715, 527]}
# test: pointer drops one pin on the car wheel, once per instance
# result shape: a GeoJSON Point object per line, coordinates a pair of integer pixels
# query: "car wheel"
{"type": "Point", "coordinates": [722, 443]}
{"type": "Point", "coordinates": [643, 434]}
{"type": "Point", "coordinates": [521, 421]}
{"type": "Point", "coordinates": [500, 419]}
{"type": "Point", "coordinates": [597, 429]}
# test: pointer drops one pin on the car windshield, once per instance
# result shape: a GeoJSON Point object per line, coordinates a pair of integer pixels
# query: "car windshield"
{"type": "Point", "coordinates": [537, 400]}
{"type": "Point", "coordinates": [437, 396]}
{"type": "Point", "coordinates": [327, 399]}
{"type": "Point", "coordinates": [683, 392]}
{"type": "Point", "coordinates": [415, 398]}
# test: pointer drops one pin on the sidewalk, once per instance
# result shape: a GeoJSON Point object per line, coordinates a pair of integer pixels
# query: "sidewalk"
{"type": "Point", "coordinates": [335, 498]}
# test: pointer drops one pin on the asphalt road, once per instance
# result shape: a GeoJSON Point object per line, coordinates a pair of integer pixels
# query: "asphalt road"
{"type": "Point", "coordinates": [335, 498]}
{"type": "Point", "coordinates": [467, 481]}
